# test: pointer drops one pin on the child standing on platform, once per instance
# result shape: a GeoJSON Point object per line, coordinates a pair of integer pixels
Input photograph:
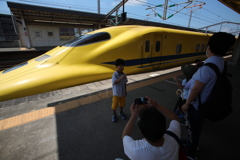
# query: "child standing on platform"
{"type": "Point", "coordinates": [188, 70]}
{"type": "Point", "coordinates": [119, 80]}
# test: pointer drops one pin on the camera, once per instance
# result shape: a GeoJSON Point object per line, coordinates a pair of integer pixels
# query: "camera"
{"type": "Point", "coordinates": [140, 100]}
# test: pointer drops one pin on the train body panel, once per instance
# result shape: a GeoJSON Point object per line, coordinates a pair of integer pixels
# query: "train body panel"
{"type": "Point", "coordinates": [91, 58]}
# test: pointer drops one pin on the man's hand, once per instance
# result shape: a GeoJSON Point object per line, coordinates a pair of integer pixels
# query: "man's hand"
{"type": "Point", "coordinates": [166, 112]}
{"type": "Point", "coordinates": [151, 102]}
{"type": "Point", "coordinates": [134, 110]}
{"type": "Point", "coordinates": [185, 107]}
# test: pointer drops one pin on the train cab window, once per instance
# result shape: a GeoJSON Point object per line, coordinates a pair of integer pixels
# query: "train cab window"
{"type": "Point", "coordinates": [157, 46]}
{"type": "Point", "coordinates": [197, 47]}
{"type": "Point", "coordinates": [147, 46]}
{"type": "Point", "coordinates": [178, 48]}
{"type": "Point", "coordinates": [89, 39]}
{"type": "Point", "coordinates": [14, 67]}
{"type": "Point", "coordinates": [202, 47]}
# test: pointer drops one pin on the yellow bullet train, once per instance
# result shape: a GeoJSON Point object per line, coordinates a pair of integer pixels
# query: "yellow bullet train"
{"type": "Point", "coordinates": [91, 58]}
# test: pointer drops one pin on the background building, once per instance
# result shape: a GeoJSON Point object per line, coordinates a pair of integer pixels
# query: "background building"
{"type": "Point", "coordinates": [8, 36]}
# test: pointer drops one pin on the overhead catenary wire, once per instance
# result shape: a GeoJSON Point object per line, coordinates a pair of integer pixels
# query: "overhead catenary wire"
{"type": "Point", "coordinates": [138, 2]}
{"type": "Point", "coordinates": [186, 8]}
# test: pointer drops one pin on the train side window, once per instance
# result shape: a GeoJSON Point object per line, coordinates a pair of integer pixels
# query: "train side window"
{"type": "Point", "coordinates": [178, 48]}
{"type": "Point", "coordinates": [202, 47]}
{"type": "Point", "coordinates": [158, 46]}
{"type": "Point", "coordinates": [147, 45]}
{"type": "Point", "coordinates": [102, 36]}
{"type": "Point", "coordinates": [197, 47]}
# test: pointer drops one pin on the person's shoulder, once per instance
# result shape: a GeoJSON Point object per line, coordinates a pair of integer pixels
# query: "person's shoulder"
{"type": "Point", "coordinates": [174, 123]}
{"type": "Point", "coordinates": [175, 127]}
{"type": "Point", "coordinates": [115, 73]}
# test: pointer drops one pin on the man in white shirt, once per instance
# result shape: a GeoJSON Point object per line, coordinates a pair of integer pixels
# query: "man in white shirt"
{"type": "Point", "coordinates": [152, 124]}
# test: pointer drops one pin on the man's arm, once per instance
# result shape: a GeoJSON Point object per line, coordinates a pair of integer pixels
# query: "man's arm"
{"type": "Point", "coordinates": [196, 90]}
{"type": "Point", "coordinates": [129, 126]}
{"type": "Point", "coordinates": [166, 112]}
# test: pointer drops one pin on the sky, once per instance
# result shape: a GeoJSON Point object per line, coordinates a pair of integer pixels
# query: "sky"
{"type": "Point", "coordinates": [211, 13]}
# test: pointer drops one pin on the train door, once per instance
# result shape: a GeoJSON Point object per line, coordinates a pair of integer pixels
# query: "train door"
{"type": "Point", "coordinates": [156, 51]}
{"type": "Point", "coordinates": [146, 57]}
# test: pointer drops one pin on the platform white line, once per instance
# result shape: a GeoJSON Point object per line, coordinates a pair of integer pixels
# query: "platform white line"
{"type": "Point", "coordinates": [171, 82]}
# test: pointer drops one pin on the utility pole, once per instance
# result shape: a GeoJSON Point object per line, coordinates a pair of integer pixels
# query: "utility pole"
{"type": "Point", "coordinates": [190, 19]}
{"type": "Point", "coordinates": [165, 10]}
{"type": "Point", "coordinates": [123, 15]}
{"type": "Point", "coordinates": [98, 6]}
{"type": "Point", "coordinates": [116, 17]}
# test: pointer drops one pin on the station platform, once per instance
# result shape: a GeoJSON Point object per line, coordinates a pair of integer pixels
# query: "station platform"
{"type": "Point", "coordinates": [75, 123]}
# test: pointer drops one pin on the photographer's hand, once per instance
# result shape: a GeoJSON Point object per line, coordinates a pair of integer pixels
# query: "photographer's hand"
{"type": "Point", "coordinates": [166, 112]}
{"type": "Point", "coordinates": [151, 102]}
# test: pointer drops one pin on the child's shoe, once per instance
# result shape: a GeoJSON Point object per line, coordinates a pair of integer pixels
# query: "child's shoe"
{"type": "Point", "coordinates": [122, 115]}
{"type": "Point", "coordinates": [114, 118]}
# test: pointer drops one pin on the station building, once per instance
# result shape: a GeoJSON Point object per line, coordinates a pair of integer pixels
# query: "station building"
{"type": "Point", "coordinates": [8, 36]}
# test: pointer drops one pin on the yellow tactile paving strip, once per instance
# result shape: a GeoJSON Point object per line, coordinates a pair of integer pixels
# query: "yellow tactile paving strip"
{"type": "Point", "coordinates": [42, 113]}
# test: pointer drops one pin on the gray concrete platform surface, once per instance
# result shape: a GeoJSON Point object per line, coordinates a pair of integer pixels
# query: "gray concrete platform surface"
{"type": "Point", "coordinates": [75, 123]}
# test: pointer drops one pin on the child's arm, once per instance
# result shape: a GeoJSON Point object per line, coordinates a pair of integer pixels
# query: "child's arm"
{"type": "Point", "coordinates": [121, 78]}
{"type": "Point", "coordinates": [179, 84]}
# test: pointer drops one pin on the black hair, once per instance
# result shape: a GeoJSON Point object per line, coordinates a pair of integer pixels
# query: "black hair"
{"type": "Point", "coordinates": [188, 70]}
{"type": "Point", "coordinates": [221, 42]}
{"type": "Point", "coordinates": [197, 60]}
{"type": "Point", "coordinates": [119, 62]}
{"type": "Point", "coordinates": [152, 124]}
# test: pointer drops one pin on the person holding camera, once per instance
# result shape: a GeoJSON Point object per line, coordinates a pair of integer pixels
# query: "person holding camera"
{"type": "Point", "coordinates": [152, 125]}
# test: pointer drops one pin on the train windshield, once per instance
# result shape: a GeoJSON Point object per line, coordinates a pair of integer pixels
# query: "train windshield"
{"type": "Point", "coordinates": [88, 39]}
{"type": "Point", "coordinates": [14, 67]}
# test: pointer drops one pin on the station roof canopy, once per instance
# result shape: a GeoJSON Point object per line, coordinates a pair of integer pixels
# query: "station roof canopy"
{"type": "Point", "coordinates": [40, 15]}
{"type": "Point", "coordinates": [233, 4]}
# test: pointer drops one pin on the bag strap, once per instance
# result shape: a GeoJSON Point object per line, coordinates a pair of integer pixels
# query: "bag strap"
{"type": "Point", "coordinates": [214, 67]}
{"type": "Point", "coordinates": [178, 140]}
